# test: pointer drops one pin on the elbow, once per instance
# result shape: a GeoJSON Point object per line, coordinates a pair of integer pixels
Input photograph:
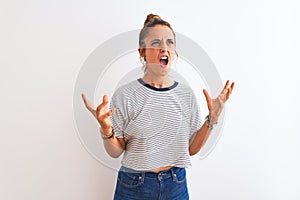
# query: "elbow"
{"type": "Point", "coordinates": [115, 154]}
{"type": "Point", "coordinates": [192, 152]}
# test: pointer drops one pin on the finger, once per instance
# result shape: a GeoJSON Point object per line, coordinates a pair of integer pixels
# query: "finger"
{"type": "Point", "coordinates": [226, 85]}
{"type": "Point", "coordinates": [232, 86]}
{"type": "Point", "coordinates": [225, 88]}
{"type": "Point", "coordinates": [228, 93]}
{"type": "Point", "coordinates": [208, 98]}
{"type": "Point", "coordinates": [86, 102]}
{"type": "Point", "coordinates": [103, 104]}
{"type": "Point", "coordinates": [84, 98]}
{"type": "Point", "coordinates": [229, 90]}
{"type": "Point", "coordinates": [109, 113]}
{"type": "Point", "coordinates": [206, 94]}
{"type": "Point", "coordinates": [106, 115]}
{"type": "Point", "coordinates": [105, 99]}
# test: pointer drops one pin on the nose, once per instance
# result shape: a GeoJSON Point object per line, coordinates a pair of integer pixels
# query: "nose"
{"type": "Point", "coordinates": [163, 50]}
{"type": "Point", "coordinates": [163, 47]}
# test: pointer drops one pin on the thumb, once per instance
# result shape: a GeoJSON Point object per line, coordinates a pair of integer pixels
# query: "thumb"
{"type": "Point", "coordinates": [208, 98]}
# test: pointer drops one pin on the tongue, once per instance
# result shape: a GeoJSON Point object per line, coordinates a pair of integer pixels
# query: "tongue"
{"type": "Point", "coordinates": [163, 61]}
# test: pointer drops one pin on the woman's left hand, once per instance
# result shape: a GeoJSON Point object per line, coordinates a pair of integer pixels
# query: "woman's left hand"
{"type": "Point", "coordinates": [215, 106]}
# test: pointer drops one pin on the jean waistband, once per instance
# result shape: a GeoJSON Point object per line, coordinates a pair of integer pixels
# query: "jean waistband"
{"type": "Point", "coordinates": [165, 173]}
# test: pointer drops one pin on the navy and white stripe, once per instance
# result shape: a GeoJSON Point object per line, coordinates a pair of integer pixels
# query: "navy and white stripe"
{"type": "Point", "coordinates": [157, 124]}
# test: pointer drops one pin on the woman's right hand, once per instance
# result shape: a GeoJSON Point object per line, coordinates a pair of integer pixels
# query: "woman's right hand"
{"type": "Point", "coordinates": [101, 113]}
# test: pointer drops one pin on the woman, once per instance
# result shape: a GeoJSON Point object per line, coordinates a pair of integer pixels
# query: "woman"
{"type": "Point", "coordinates": [155, 121]}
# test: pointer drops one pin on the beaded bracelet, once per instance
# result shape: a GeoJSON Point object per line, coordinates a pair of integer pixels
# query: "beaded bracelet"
{"type": "Point", "coordinates": [210, 124]}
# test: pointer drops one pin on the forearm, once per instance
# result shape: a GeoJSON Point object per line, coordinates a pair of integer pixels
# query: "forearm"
{"type": "Point", "coordinates": [199, 139]}
{"type": "Point", "coordinates": [114, 146]}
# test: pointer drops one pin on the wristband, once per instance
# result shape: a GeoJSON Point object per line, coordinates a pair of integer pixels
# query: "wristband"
{"type": "Point", "coordinates": [107, 137]}
{"type": "Point", "coordinates": [210, 125]}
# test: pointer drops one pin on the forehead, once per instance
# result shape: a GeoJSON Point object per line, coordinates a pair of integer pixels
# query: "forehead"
{"type": "Point", "coordinates": [158, 32]}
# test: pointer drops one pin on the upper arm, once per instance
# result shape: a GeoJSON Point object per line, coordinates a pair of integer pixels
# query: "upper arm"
{"type": "Point", "coordinates": [119, 118]}
{"type": "Point", "coordinates": [195, 117]}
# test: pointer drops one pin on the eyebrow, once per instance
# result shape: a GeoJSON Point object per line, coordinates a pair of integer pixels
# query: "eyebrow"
{"type": "Point", "coordinates": [155, 40]}
{"type": "Point", "coordinates": [160, 39]}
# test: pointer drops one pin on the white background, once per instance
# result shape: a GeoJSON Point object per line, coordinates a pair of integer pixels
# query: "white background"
{"type": "Point", "coordinates": [43, 45]}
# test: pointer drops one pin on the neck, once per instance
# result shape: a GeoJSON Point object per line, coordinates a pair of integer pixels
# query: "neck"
{"type": "Point", "coordinates": [158, 82]}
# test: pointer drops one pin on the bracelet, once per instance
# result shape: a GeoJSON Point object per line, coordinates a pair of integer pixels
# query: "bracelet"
{"type": "Point", "coordinates": [210, 125]}
{"type": "Point", "coordinates": [107, 137]}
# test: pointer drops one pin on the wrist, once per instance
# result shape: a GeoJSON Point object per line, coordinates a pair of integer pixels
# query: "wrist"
{"type": "Point", "coordinates": [210, 124]}
{"type": "Point", "coordinates": [213, 118]}
{"type": "Point", "coordinates": [107, 133]}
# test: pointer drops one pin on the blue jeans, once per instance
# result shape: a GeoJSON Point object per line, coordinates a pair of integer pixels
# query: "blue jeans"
{"type": "Point", "coordinates": [165, 185]}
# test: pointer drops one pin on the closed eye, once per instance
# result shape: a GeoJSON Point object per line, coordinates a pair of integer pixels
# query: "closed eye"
{"type": "Point", "coordinates": [155, 43]}
{"type": "Point", "coordinates": [170, 41]}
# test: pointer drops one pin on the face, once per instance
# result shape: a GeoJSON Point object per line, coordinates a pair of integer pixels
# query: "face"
{"type": "Point", "coordinates": [160, 50]}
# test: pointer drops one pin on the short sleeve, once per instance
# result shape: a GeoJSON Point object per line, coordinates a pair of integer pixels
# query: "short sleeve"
{"type": "Point", "coordinates": [119, 118]}
{"type": "Point", "coordinates": [195, 122]}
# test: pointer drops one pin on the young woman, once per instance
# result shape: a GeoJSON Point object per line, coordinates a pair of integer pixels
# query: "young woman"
{"type": "Point", "coordinates": [155, 121]}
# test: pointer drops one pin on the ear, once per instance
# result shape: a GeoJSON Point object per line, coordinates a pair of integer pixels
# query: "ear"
{"type": "Point", "coordinates": [142, 52]}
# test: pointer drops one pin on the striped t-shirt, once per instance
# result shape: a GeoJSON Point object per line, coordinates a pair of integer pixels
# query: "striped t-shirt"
{"type": "Point", "coordinates": [156, 123]}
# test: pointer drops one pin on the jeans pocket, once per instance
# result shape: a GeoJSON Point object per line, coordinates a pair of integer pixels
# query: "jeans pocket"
{"type": "Point", "coordinates": [180, 175]}
{"type": "Point", "coordinates": [130, 180]}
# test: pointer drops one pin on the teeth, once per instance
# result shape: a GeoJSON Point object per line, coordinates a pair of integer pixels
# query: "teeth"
{"type": "Point", "coordinates": [164, 57]}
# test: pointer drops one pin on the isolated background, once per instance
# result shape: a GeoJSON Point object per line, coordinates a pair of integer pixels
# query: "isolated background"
{"type": "Point", "coordinates": [43, 45]}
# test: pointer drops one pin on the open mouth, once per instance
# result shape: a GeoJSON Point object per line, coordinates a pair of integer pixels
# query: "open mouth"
{"type": "Point", "coordinates": [164, 60]}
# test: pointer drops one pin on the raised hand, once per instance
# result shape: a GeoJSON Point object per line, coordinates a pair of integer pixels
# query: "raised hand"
{"type": "Point", "coordinates": [215, 106]}
{"type": "Point", "coordinates": [101, 113]}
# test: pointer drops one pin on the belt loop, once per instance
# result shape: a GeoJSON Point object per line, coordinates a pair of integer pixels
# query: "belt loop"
{"type": "Point", "coordinates": [142, 176]}
{"type": "Point", "coordinates": [174, 177]}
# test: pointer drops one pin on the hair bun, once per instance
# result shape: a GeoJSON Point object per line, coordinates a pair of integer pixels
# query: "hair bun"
{"type": "Point", "coordinates": [151, 17]}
